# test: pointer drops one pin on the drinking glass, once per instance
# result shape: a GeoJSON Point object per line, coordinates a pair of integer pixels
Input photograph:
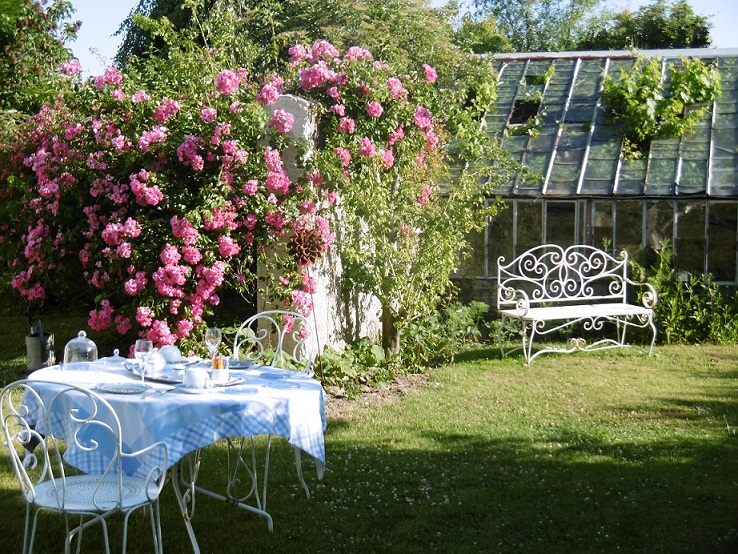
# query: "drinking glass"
{"type": "Point", "coordinates": [143, 351]}
{"type": "Point", "coordinates": [212, 340]}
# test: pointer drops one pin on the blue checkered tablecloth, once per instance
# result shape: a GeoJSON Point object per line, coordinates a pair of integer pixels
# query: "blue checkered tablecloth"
{"type": "Point", "coordinates": [267, 401]}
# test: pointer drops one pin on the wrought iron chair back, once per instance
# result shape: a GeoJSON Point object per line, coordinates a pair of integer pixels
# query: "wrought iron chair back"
{"type": "Point", "coordinates": [53, 428]}
{"type": "Point", "coordinates": [276, 338]}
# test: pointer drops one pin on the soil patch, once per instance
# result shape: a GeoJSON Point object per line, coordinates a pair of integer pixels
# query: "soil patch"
{"type": "Point", "coordinates": [337, 406]}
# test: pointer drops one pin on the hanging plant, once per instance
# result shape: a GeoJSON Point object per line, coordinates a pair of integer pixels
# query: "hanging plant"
{"type": "Point", "coordinates": [644, 109]}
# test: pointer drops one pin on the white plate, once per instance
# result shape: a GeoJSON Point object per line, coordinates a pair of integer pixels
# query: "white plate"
{"type": "Point", "coordinates": [286, 385]}
{"type": "Point", "coordinates": [232, 380]}
{"type": "Point", "coordinates": [192, 390]}
{"type": "Point", "coordinates": [123, 388]}
{"type": "Point", "coordinates": [275, 375]}
{"type": "Point", "coordinates": [241, 364]}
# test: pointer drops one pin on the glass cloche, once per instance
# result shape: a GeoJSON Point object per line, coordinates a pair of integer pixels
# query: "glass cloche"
{"type": "Point", "coordinates": [80, 349]}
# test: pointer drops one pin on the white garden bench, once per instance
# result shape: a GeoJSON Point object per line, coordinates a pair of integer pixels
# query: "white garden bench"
{"type": "Point", "coordinates": [549, 288]}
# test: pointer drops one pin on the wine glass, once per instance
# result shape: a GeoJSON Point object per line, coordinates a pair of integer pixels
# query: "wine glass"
{"type": "Point", "coordinates": [143, 351]}
{"type": "Point", "coordinates": [212, 340]}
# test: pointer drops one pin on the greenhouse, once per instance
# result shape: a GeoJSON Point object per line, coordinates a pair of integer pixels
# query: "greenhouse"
{"type": "Point", "coordinates": [582, 187]}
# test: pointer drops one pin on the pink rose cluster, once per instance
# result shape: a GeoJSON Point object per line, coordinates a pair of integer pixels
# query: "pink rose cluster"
{"type": "Point", "coordinates": [72, 67]}
{"type": "Point", "coordinates": [282, 121]}
{"type": "Point", "coordinates": [357, 80]}
{"type": "Point", "coordinates": [158, 200]}
{"type": "Point", "coordinates": [228, 81]}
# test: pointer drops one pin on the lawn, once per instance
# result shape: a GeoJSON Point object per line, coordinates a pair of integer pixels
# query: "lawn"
{"type": "Point", "coordinates": [605, 452]}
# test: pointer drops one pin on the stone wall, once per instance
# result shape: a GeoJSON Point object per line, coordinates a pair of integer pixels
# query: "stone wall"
{"type": "Point", "coordinates": [339, 316]}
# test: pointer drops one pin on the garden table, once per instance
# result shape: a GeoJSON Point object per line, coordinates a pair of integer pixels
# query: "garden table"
{"type": "Point", "coordinates": [264, 401]}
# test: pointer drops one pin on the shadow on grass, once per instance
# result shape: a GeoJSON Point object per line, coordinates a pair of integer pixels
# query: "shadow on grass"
{"type": "Point", "coordinates": [571, 493]}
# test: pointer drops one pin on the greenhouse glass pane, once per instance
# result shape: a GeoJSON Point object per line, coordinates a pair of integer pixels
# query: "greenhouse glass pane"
{"type": "Point", "coordinates": [630, 186]}
{"type": "Point", "coordinates": [723, 183]}
{"type": "Point", "coordinates": [597, 187]}
{"type": "Point", "coordinates": [728, 95]}
{"type": "Point", "coordinates": [537, 162]}
{"type": "Point", "coordinates": [601, 169]}
{"type": "Point", "coordinates": [694, 175]}
{"type": "Point", "coordinates": [725, 139]}
{"type": "Point", "coordinates": [721, 241]}
{"type": "Point", "coordinates": [662, 172]}
{"type": "Point", "coordinates": [629, 223]}
{"type": "Point", "coordinates": [473, 265]}
{"type": "Point", "coordinates": [579, 114]}
{"type": "Point", "coordinates": [604, 150]}
{"type": "Point", "coordinates": [500, 237]}
{"type": "Point", "coordinates": [659, 223]}
{"type": "Point", "coordinates": [515, 144]}
{"type": "Point", "coordinates": [689, 247]}
{"type": "Point", "coordinates": [530, 228]}
{"type": "Point", "coordinates": [561, 223]}
{"type": "Point", "coordinates": [542, 143]}
{"type": "Point", "coordinates": [602, 223]}
{"type": "Point", "coordinates": [725, 164]}
{"type": "Point", "coordinates": [724, 120]}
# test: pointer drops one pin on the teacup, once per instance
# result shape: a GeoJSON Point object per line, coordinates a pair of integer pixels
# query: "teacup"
{"type": "Point", "coordinates": [196, 378]}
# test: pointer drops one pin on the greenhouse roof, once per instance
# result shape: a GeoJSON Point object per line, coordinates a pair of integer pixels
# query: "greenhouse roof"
{"type": "Point", "coordinates": [578, 153]}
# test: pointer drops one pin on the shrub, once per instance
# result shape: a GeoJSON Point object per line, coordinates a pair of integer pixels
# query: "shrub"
{"type": "Point", "coordinates": [691, 308]}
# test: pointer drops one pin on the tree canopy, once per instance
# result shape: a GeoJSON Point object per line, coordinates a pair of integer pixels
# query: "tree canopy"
{"type": "Point", "coordinates": [261, 31]}
{"type": "Point", "coordinates": [32, 35]}
{"type": "Point", "coordinates": [555, 26]}
{"type": "Point", "coordinates": [657, 25]}
{"type": "Point", "coordinates": [539, 25]}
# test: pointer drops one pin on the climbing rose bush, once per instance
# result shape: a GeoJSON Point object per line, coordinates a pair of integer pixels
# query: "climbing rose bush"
{"type": "Point", "coordinates": [152, 203]}
{"type": "Point", "coordinates": [380, 162]}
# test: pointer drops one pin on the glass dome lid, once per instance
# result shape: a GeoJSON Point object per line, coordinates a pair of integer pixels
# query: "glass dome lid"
{"type": "Point", "coordinates": [80, 349]}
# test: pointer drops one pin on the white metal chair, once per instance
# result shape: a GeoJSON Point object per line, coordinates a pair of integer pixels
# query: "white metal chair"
{"type": "Point", "coordinates": [67, 454]}
{"type": "Point", "coordinates": [276, 338]}
{"type": "Point", "coordinates": [281, 339]}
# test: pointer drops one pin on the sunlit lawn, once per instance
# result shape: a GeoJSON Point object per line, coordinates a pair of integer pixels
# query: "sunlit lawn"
{"type": "Point", "coordinates": [603, 452]}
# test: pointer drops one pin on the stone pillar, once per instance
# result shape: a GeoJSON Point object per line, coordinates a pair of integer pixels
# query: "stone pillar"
{"type": "Point", "coordinates": [339, 316]}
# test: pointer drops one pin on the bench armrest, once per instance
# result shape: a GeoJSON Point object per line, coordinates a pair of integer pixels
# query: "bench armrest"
{"type": "Point", "coordinates": [509, 294]}
{"type": "Point", "coordinates": [649, 297]}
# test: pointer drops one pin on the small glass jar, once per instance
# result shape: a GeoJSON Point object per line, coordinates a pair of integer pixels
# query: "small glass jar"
{"type": "Point", "coordinates": [80, 349]}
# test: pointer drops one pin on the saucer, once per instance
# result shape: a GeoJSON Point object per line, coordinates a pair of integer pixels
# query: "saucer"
{"type": "Point", "coordinates": [122, 388]}
{"type": "Point", "coordinates": [195, 390]}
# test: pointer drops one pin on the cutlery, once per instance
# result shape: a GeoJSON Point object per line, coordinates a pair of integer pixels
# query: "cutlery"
{"type": "Point", "coordinates": [157, 392]}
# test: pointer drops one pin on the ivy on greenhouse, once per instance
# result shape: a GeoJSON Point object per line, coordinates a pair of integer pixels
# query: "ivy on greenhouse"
{"type": "Point", "coordinates": [646, 106]}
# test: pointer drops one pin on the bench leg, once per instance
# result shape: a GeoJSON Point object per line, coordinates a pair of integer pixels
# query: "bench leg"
{"type": "Point", "coordinates": [622, 326]}
{"type": "Point", "coordinates": [528, 342]}
{"type": "Point", "coordinates": [500, 337]}
{"type": "Point", "coordinates": [652, 323]}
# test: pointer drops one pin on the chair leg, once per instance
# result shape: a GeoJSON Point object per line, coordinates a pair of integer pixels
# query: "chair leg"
{"type": "Point", "coordinates": [26, 546]}
{"type": "Point", "coordinates": [298, 465]}
{"type": "Point", "coordinates": [156, 526]}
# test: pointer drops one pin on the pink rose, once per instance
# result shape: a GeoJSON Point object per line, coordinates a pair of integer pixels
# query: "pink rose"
{"type": "Point", "coordinates": [227, 81]}
{"type": "Point", "coordinates": [208, 115]}
{"type": "Point", "coordinates": [430, 73]}
{"type": "Point", "coordinates": [374, 109]}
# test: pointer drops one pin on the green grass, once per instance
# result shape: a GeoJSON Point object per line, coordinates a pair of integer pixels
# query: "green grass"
{"type": "Point", "coordinates": [606, 452]}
